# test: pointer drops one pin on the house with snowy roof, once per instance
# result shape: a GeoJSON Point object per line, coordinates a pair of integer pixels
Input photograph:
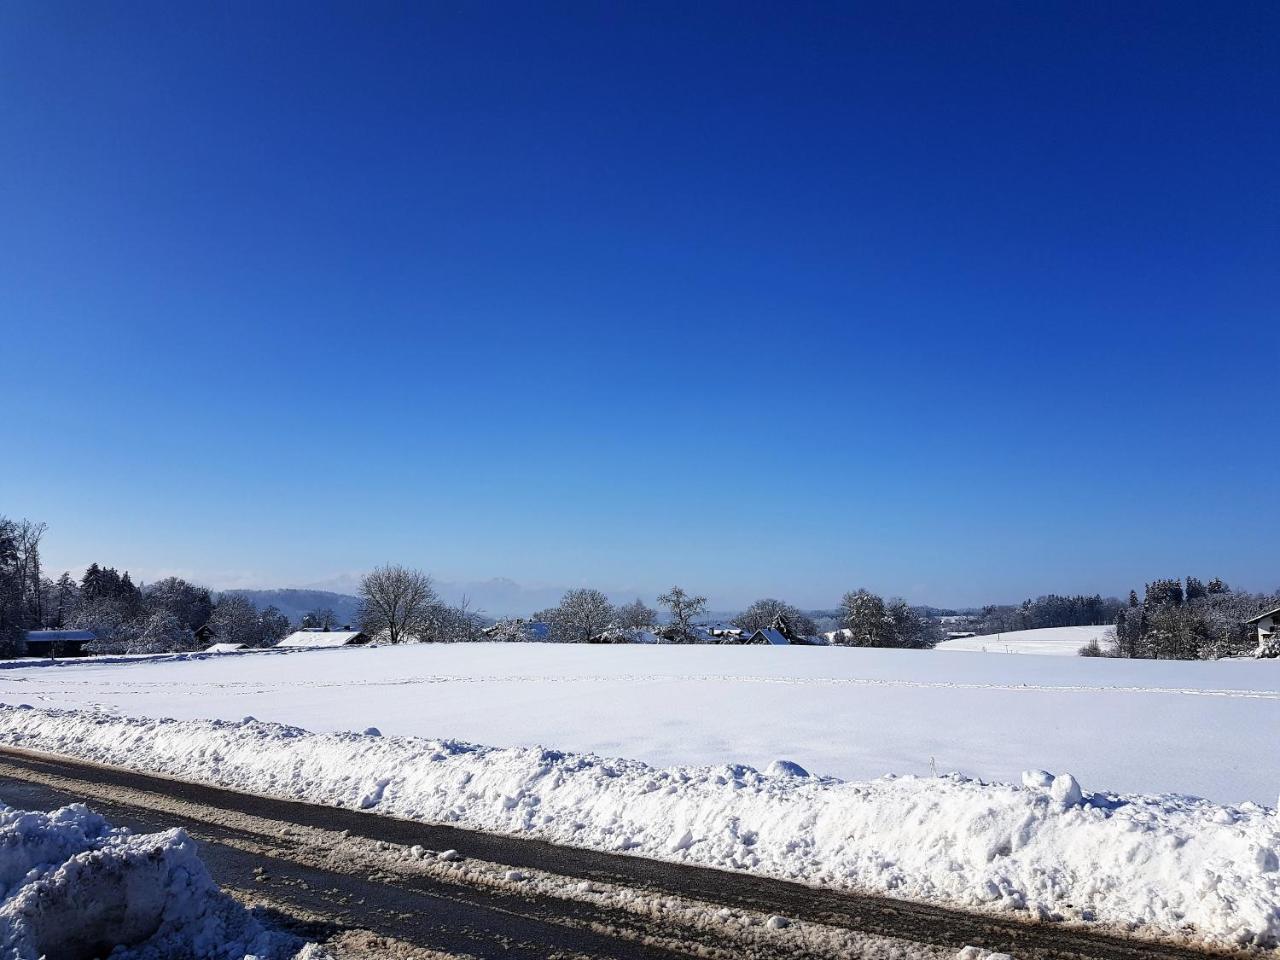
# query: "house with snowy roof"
{"type": "Point", "coordinates": [316, 637]}
{"type": "Point", "coordinates": [1268, 625]}
{"type": "Point", "coordinates": [767, 635]}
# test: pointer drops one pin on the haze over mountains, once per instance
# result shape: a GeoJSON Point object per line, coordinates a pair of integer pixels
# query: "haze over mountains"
{"type": "Point", "coordinates": [492, 599]}
{"type": "Point", "coordinates": [499, 597]}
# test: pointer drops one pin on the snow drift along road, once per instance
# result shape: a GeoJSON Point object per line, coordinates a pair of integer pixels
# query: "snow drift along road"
{"type": "Point", "coordinates": [1163, 865]}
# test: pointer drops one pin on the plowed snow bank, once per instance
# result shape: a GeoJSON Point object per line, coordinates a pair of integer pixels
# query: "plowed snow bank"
{"type": "Point", "coordinates": [1163, 864]}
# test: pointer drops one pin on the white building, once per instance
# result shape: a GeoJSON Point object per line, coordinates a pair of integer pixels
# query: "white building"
{"type": "Point", "coordinates": [1268, 624]}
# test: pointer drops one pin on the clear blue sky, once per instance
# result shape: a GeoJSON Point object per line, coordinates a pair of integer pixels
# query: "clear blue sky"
{"type": "Point", "coordinates": [963, 302]}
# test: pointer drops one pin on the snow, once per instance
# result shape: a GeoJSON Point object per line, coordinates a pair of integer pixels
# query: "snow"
{"type": "Point", "coordinates": [319, 638]}
{"type": "Point", "coordinates": [72, 885]}
{"type": "Point", "coordinates": [1160, 865]}
{"type": "Point", "coordinates": [1049, 641]}
{"type": "Point", "coordinates": [226, 648]}
{"type": "Point", "coordinates": [1137, 726]}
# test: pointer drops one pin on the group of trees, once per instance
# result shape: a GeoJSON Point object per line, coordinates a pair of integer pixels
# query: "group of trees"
{"type": "Point", "coordinates": [400, 604]}
{"type": "Point", "coordinates": [21, 585]}
{"type": "Point", "coordinates": [1049, 611]}
{"type": "Point", "coordinates": [586, 615]}
{"type": "Point", "coordinates": [1175, 619]}
{"type": "Point", "coordinates": [870, 621]}
{"type": "Point", "coordinates": [1188, 620]}
{"type": "Point", "coordinates": [771, 613]}
{"type": "Point", "coordinates": [162, 616]}
{"type": "Point", "coordinates": [126, 617]}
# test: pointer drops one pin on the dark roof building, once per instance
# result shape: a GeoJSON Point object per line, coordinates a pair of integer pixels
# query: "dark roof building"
{"type": "Point", "coordinates": [769, 636]}
{"type": "Point", "coordinates": [57, 643]}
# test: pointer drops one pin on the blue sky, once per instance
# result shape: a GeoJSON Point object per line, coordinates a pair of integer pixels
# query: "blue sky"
{"type": "Point", "coordinates": [963, 302]}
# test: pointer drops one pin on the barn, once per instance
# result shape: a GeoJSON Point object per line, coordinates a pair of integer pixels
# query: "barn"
{"type": "Point", "coordinates": [57, 643]}
{"type": "Point", "coordinates": [323, 638]}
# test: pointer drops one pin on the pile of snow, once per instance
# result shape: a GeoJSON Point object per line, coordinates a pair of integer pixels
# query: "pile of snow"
{"type": "Point", "coordinates": [1163, 865]}
{"type": "Point", "coordinates": [1048, 641]}
{"type": "Point", "coordinates": [73, 886]}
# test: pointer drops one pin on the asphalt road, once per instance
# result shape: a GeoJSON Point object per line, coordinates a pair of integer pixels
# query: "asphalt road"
{"type": "Point", "coordinates": [368, 882]}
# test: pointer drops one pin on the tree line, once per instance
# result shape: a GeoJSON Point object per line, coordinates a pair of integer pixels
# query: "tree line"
{"type": "Point", "coordinates": [1051, 610]}
{"type": "Point", "coordinates": [1175, 619]}
{"type": "Point", "coordinates": [587, 616]}
{"type": "Point", "coordinates": [1188, 620]}
{"type": "Point", "coordinates": [125, 617]}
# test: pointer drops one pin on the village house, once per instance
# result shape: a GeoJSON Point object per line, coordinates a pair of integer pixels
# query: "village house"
{"type": "Point", "coordinates": [317, 637]}
{"type": "Point", "coordinates": [1268, 624]}
{"type": "Point", "coordinates": [768, 635]}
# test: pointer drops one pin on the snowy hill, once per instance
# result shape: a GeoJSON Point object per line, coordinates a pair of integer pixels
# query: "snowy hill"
{"type": "Point", "coordinates": [1050, 641]}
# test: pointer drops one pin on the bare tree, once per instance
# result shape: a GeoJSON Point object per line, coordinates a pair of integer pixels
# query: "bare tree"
{"type": "Point", "coordinates": [235, 619]}
{"type": "Point", "coordinates": [161, 632]}
{"type": "Point", "coordinates": [582, 616]}
{"type": "Point", "coordinates": [455, 624]}
{"type": "Point", "coordinates": [397, 601]}
{"type": "Point", "coordinates": [27, 537]}
{"type": "Point", "coordinates": [321, 619]}
{"type": "Point", "coordinates": [635, 616]}
{"type": "Point", "coordinates": [683, 608]}
{"type": "Point", "coordinates": [765, 613]}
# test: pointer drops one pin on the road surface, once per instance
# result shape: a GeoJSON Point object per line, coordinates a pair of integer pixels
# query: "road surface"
{"type": "Point", "coordinates": [376, 886]}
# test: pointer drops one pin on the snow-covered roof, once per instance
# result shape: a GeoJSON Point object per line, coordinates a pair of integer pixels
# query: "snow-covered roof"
{"type": "Point", "coordinates": [226, 647]}
{"type": "Point", "coordinates": [1264, 614]}
{"type": "Point", "coordinates": [321, 638]}
{"type": "Point", "coordinates": [772, 636]}
{"type": "Point", "coordinates": [60, 636]}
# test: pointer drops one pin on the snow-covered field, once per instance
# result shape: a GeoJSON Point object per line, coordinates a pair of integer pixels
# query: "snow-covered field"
{"type": "Point", "coordinates": [71, 883]}
{"type": "Point", "coordinates": [1205, 729]}
{"type": "Point", "coordinates": [1160, 865]}
{"type": "Point", "coordinates": [1050, 641]}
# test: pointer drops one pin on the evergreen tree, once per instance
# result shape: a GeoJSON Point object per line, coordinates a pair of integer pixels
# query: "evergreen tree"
{"type": "Point", "coordinates": [91, 584]}
{"type": "Point", "coordinates": [64, 599]}
{"type": "Point", "coordinates": [1163, 593]}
